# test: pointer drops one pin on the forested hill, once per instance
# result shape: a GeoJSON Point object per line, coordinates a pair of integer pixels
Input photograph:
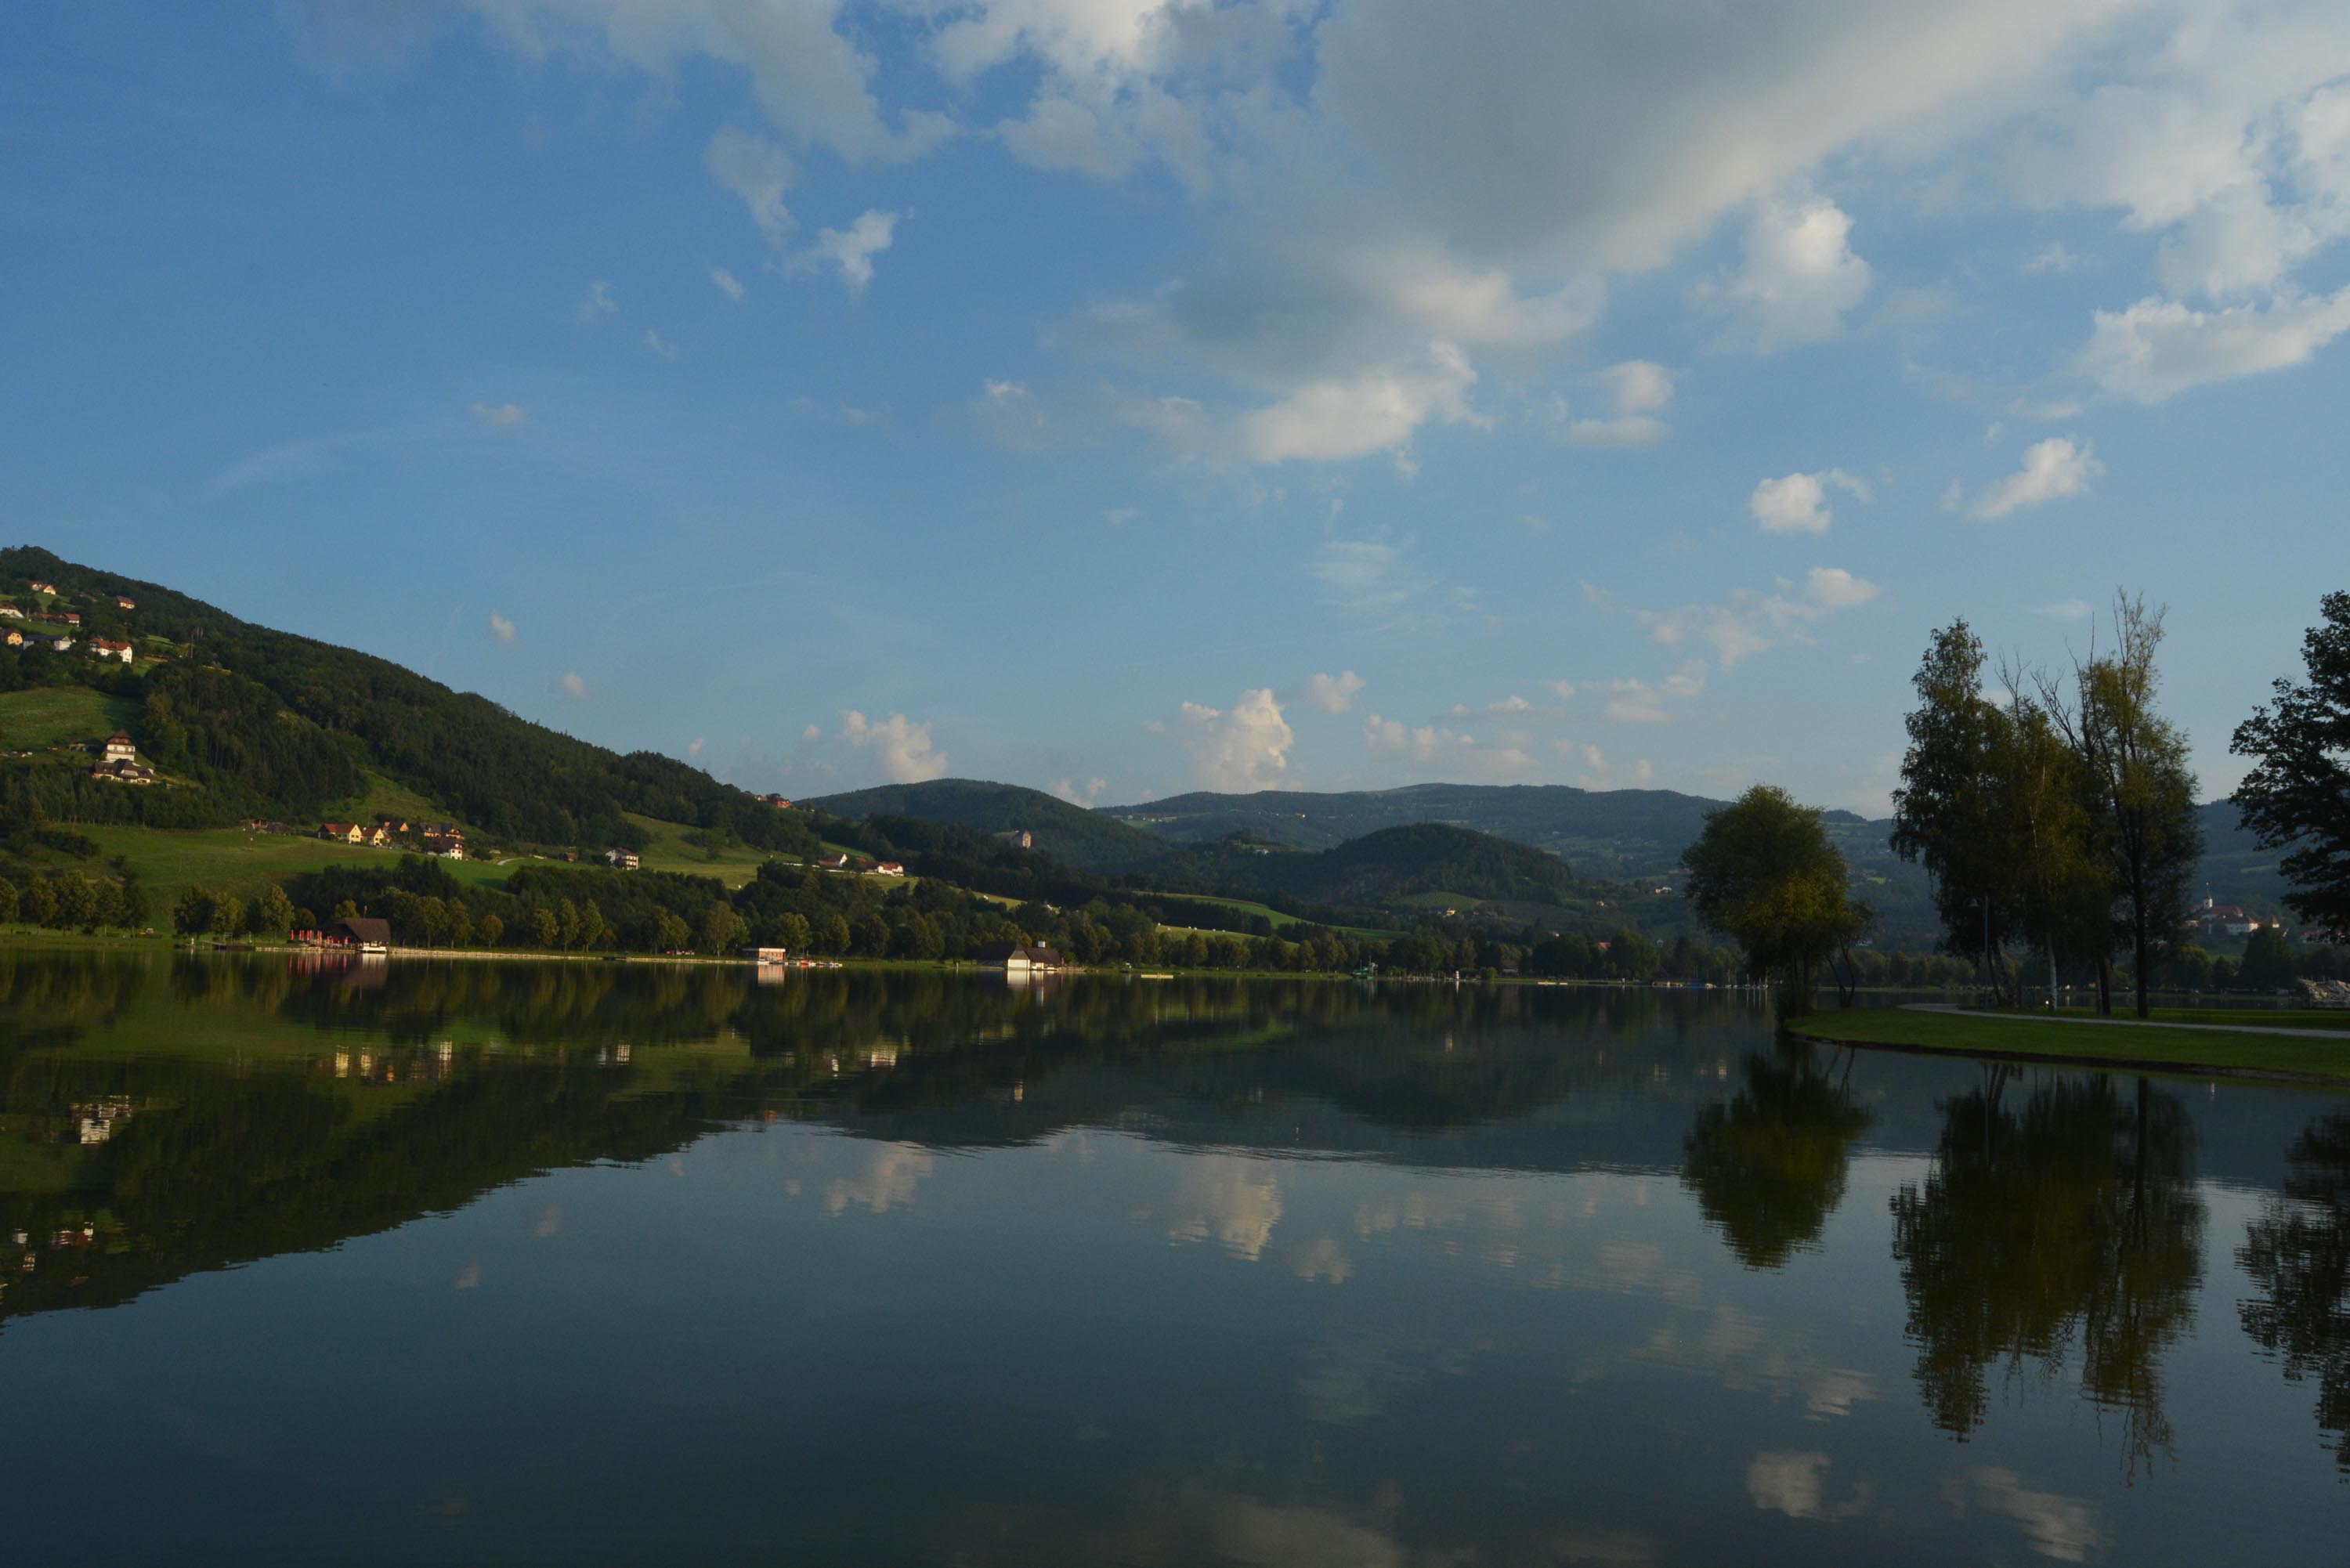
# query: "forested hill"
{"type": "Point", "coordinates": [1087, 840]}
{"type": "Point", "coordinates": [267, 722]}
{"type": "Point", "coordinates": [1393, 863]}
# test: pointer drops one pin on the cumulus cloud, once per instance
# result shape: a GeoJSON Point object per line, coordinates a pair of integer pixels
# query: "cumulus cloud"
{"type": "Point", "coordinates": [1331, 694]}
{"type": "Point", "coordinates": [1797, 279]}
{"type": "Point", "coordinates": [852, 249]}
{"type": "Point", "coordinates": [1638, 391]}
{"type": "Point", "coordinates": [1750, 620]}
{"type": "Point", "coordinates": [1341, 417]}
{"type": "Point", "coordinates": [1453, 751]}
{"type": "Point", "coordinates": [502, 629]}
{"type": "Point", "coordinates": [1798, 503]}
{"type": "Point", "coordinates": [903, 746]}
{"type": "Point", "coordinates": [2160, 348]}
{"type": "Point", "coordinates": [503, 416]}
{"type": "Point", "coordinates": [727, 283]}
{"type": "Point", "coordinates": [659, 345]}
{"type": "Point", "coordinates": [2052, 468]}
{"type": "Point", "coordinates": [1083, 794]}
{"type": "Point", "coordinates": [2054, 257]}
{"type": "Point", "coordinates": [569, 687]}
{"type": "Point", "coordinates": [2068, 1529]}
{"type": "Point", "coordinates": [755, 170]}
{"type": "Point", "coordinates": [1795, 1484]}
{"type": "Point", "coordinates": [597, 303]}
{"type": "Point", "coordinates": [1239, 749]}
{"type": "Point", "coordinates": [1596, 772]}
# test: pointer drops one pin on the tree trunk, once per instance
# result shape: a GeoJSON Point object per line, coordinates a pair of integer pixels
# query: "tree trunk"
{"type": "Point", "coordinates": [2105, 985]}
{"type": "Point", "coordinates": [2138, 950]}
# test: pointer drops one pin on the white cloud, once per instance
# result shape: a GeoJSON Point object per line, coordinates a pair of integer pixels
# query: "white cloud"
{"type": "Point", "coordinates": [659, 345]}
{"type": "Point", "coordinates": [755, 170]}
{"type": "Point", "coordinates": [727, 283]}
{"type": "Point", "coordinates": [569, 687]}
{"type": "Point", "coordinates": [1598, 772]}
{"type": "Point", "coordinates": [1376, 581]}
{"type": "Point", "coordinates": [905, 748]}
{"type": "Point", "coordinates": [2052, 468]}
{"type": "Point", "coordinates": [1797, 276]}
{"type": "Point", "coordinates": [2159, 348]}
{"type": "Point", "coordinates": [852, 249]}
{"type": "Point", "coordinates": [1335, 419]}
{"type": "Point", "coordinates": [694, 750]}
{"type": "Point", "coordinates": [503, 416]}
{"type": "Point", "coordinates": [501, 628]}
{"type": "Point", "coordinates": [597, 303]}
{"type": "Point", "coordinates": [1008, 414]}
{"type": "Point", "coordinates": [1836, 588]}
{"type": "Point", "coordinates": [1085, 794]}
{"type": "Point", "coordinates": [2066, 610]}
{"type": "Point", "coordinates": [1750, 621]}
{"type": "Point", "coordinates": [1798, 503]}
{"type": "Point", "coordinates": [1452, 751]}
{"type": "Point", "coordinates": [1638, 391]}
{"type": "Point", "coordinates": [1241, 748]}
{"type": "Point", "coordinates": [2054, 257]}
{"type": "Point", "coordinates": [1331, 694]}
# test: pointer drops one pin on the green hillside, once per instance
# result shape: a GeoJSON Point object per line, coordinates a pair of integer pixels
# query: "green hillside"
{"type": "Point", "coordinates": [243, 721]}
{"type": "Point", "coordinates": [1087, 840]}
{"type": "Point", "coordinates": [1394, 865]}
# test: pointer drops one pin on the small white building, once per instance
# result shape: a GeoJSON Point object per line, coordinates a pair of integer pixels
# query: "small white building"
{"type": "Point", "coordinates": [622, 859]}
{"type": "Point", "coordinates": [107, 648]}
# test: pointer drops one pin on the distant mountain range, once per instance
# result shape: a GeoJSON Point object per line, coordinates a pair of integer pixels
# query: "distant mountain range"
{"type": "Point", "coordinates": [1633, 836]}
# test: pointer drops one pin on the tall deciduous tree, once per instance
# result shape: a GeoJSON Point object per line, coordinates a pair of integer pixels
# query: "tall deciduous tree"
{"type": "Point", "coordinates": [2297, 796]}
{"type": "Point", "coordinates": [2140, 794]}
{"type": "Point", "coordinates": [1765, 873]}
{"type": "Point", "coordinates": [1945, 813]}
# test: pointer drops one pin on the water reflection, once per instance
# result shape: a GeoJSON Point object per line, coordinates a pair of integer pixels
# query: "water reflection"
{"type": "Point", "coordinates": [1768, 1167]}
{"type": "Point", "coordinates": [2059, 1226]}
{"type": "Point", "coordinates": [1109, 1271]}
{"type": "Point", "coordinates": [2297, 1253]}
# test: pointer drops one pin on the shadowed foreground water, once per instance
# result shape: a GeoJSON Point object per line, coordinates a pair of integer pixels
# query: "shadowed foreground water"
{"type": "Point", "coordinates": [605, 1264]}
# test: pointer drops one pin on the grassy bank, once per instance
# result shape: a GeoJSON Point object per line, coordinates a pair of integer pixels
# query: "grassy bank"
{"type": "Point", "coordinates": [2150, 1046]}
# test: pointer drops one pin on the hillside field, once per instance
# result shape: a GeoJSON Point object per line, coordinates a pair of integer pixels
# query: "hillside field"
{"type": "Point", "coordinates": [50, 716]}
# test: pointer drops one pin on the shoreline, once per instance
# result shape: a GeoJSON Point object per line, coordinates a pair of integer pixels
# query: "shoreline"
{"type": "Point", "coordinates": [2303, 1058]}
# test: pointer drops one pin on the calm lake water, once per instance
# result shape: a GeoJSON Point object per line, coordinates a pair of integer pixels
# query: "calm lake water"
{"type": "Point", "coordinates": [587, 1263]}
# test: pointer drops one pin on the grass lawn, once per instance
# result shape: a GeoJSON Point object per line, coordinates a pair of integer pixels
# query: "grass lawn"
{"type": "Point", "coordinates": [667, 850]}
{"type": "Point", "coordinates": [2150, 1045]}
{"type": "Point", "coordinates": [2248, 1017]}
{"type": "Point", "coordinates": [48, 715]}
{"type": "Point", "coordinates": [168, 860]}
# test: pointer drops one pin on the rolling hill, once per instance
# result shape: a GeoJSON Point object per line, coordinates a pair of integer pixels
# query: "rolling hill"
{"type": "Point", "coordinates": [1086, 840]}
{"type": "Point", "coordinates": [247, 721]}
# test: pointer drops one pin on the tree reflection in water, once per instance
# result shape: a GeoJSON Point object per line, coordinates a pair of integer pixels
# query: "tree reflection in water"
{"type": "Point", "coordinates": [1768, 1167]}
{"type": "Point", "coordinates": [2298, 1254]}
{"type": "Point", "coordinates": [2069, 1222]}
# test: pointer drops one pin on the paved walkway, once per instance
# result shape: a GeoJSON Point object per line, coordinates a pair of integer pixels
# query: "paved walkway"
{"type": "Point", "coordinates": [2131, 1023]}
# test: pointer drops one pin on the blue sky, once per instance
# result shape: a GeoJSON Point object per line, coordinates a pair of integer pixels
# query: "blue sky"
{"type": "Point", "coordinates": [1120, 396]}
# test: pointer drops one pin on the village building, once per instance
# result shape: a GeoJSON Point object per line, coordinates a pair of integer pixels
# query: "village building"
{"type": "Point", "coordinates": [121, 602]}
{"type": "Point", "coordinates": [448, 846]}
{"type": "Point", "coordinates": [122, 770]}
{"type": "Point", "coordinates": [1016, 837]}
{"type": "Point", "coordinates": [778, 802]}
{"type": "Point", "coordinates": [768, 955]}
{"type": "Point", "coordinates": [1014, 959]}
{"type": "Point", "coordinates": [120, 747]}
{"type": "Point", "coordinates": [44, 588]}
{"type": "Point", "coordinates": [622, 859]}
{"type": "Point", "coordinates": [888, 869]}
{"type": "Point", "coordinates": [10, 612]}
{"type": "Point", "coordinates": [71, 618]}
{"type": "Point", "coordinates": [342, 831]}
{"type": "Point", "coordinates": [106, 647]}
{"type": "Point", "coordinates": [360, 931]}
{"type": "Point", "coordinates": [61, 645]}
{"type": "Point", "coordinates": [13, 637]}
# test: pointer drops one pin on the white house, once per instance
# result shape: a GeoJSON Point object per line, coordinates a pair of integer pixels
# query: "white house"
{"type": "Point", "coordinates": [61, 645]}
{"type": "Point", "coordinates": [622, 859]}
{"type": "Point", "coordinates": [888, 869]}
{"type": "Point", "coordinates": [10, 612]}
{"type": "Point", "coordinates": [107, 648]}
{"type": "Point", "coordinates": [119, 747]}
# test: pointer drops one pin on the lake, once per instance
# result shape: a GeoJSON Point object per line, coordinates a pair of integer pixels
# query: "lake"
{"type": "Point", "coordinates": [592, 1262]}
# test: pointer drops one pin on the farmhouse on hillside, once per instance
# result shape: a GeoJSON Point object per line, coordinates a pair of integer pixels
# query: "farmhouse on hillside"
{"type": "Point", "coordinates": [13, 637]}
{"type": "Point", "coordinates": [10, 612]}
{"type": "Point", "coordinates": [342, 831]}
{"type": "Point", "coordinates": [107, 648]}
{"type": "Point", "coordinates": [44, 588]}
{"type": "Point", "coordinates": [890, 868]}
{"type": "Point", "coordinates": [61, 644]}
{"type": "Point", "coordinates": [121, 602]}
{"type": "Point", "coordinates": [622, 859]}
